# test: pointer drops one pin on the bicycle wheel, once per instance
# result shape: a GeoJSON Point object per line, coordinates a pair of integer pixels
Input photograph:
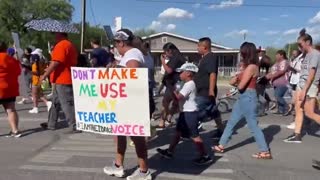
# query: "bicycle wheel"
{"type": "Point", "coordinates": [223, 106]}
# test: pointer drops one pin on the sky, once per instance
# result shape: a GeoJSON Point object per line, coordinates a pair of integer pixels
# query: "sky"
{"type": "Point", "coordinates": [266, 23]}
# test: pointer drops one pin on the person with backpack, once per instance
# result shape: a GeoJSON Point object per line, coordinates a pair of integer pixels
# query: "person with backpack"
{"type": "Point", "coordinates": [38, 67]}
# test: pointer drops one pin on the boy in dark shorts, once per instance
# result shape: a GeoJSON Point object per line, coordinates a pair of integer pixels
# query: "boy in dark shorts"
{"type": "Point", "coordinates": [187, 125]}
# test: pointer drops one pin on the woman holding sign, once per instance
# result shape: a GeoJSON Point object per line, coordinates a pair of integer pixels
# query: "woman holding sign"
{"type": "Point", "coordinates": [131, 58]}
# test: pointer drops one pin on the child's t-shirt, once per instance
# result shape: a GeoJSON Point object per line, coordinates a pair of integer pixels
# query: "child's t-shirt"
{"type": "Point", "coordinates": [39, 69]}
{"type": "Point", "coordinates": [188, 103]}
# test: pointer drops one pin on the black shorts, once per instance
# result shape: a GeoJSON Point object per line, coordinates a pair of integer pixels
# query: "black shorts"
{"type": "Point", "coordinates": [8, 100]}
{"type": "Point", "coordinates": [188, 124]}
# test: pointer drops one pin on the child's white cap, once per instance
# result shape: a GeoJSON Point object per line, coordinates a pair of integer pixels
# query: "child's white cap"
{"type": "Point", "coordinates": [188, 67]}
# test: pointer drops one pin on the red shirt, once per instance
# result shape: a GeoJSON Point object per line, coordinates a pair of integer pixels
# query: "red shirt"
{"type": "Point", "coordinates": [9, 73]}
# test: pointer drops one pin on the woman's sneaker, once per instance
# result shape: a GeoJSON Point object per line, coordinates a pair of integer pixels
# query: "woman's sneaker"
{"type": "Point", "coordinates": [203, 160]}
{"type": "Point", "coordinates": [23, 101]}
{"type": "Point", "coordinates": [294, 138]}
{"type": "Point", "coordinates": [114, 170]}
{"type": "Point", "coordinates": [165, 153]}
{"type": "Point", "coordinates": [292, 125]}
{"type": "Point", "coordinates": [34, 110]}
{"type": "Point", "coordinates": [12, 134]}
{"type": "Point", "coordinates": [138, 175]}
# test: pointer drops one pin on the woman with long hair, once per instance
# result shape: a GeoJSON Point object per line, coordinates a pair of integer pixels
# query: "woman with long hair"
{"type": "Point", "coordinates": [246, 105]}
{"type": "Point", "coordinates": [170, 80]}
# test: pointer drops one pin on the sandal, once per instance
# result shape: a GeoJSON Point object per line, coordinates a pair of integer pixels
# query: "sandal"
{"type": "Point", "coordinates": [262, 155]}
{"type": "Point", "coordinates": [217, 149]}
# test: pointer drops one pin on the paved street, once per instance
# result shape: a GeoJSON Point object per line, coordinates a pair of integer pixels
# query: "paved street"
{"type": "Point", "coordinates": [51, 155]}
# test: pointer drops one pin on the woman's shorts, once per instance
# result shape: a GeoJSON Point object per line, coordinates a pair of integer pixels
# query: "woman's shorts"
{"type": "Point", "coordinates": [8, 100]}
{"type": "Point", "coordinates": [312, 92]}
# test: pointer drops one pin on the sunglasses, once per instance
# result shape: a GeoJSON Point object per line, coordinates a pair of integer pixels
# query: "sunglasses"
{"type": "Point", "coordinates": [116, 42]}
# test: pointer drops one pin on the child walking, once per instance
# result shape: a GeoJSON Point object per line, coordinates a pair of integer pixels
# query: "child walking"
{"type": "Point", "coordinates": [187, 125]}
{"type": "Point", "coordinates": [38, 68]}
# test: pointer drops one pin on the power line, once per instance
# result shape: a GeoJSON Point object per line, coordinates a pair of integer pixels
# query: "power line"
{"type": "Point", "coordinates": [244, 5]}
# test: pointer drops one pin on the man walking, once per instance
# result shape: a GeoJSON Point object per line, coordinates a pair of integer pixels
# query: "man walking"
{"type": "Point", "coordinates": [63, 57]}
{"type": "Point", "coordinates": [99, 56]}
{"type": "Point", "coordinates": [206, 82]}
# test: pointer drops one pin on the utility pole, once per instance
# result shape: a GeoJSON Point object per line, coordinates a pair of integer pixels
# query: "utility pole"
{"type": "Point", "coordinates": [289, 50]}
{"type": "Point", "coordinates": [83, 24]}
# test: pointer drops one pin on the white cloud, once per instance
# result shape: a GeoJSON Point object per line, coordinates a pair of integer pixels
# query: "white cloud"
{"type": "Point", "coordinates": [284, 15]}
{"type": "Point", "coordinates": [292, 34]}
{"type": "Point", "coordinates": [294, 31]}
{"type": "Point", "coordinates": [170, 27]}
{"type": "Point", "coordinates": [196, 5]}
{"type": "Point", "coordinates": [160, 26]}
{"type": "Point", "coordinates": [264, 19]}
{"type": "Point", "coordinates": [155, 25]}
{"type": "Point", "coordinates": [314, 31]}
{"type": "Point", "coordinates": [272, 32]}
{"type": "Point", "coordinates": [227, 4]}
{"type": "Point", "coordinates": [175, 13]}
{"type": "Point", "coordinates": [237, 33]}
{"type": "Point", "coordinates": [315, 19]}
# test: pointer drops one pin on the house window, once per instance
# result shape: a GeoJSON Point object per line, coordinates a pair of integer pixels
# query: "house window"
{"type": "Point", "coordinates": [164, 40]}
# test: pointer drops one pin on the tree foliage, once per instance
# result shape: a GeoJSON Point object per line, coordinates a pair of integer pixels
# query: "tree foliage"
{"type": "Point", "coordinates": [91, 32]}
{"type": "Point", "coordinates": [15, 14]}
{"type": "Point", "coordinates": [144, 32]}
{"type": "Point", "coordinates": [271, 52]}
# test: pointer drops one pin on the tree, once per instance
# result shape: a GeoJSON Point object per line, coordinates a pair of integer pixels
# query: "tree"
{"type": "Point", "coordinates": [290, 47]}
{"type": "Point", "coordinates": [15, 14]}
{"type": "Point", "coordinates": [144, 32]}
{"type": "Point", "coordinates": [91, 32]}
{"type": "Point", "coordinates": [271, 52]}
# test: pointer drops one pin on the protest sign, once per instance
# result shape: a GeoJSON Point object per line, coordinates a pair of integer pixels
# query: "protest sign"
{"type": "Point", "coordinates": [112, 101]}
{"type": "Point", "coordinates": [16, 39]}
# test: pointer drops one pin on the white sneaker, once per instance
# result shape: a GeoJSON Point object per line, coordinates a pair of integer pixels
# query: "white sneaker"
{"type": "Point", "coordinates": [49, 104]}
{"type": "Point", "coordinates": [114, 171]}
{"type": "Point", "coordinates": [138, 175]}
{"type": "Point", "coordinates": [23, 101]}
{"type": "Point", "coordinates": [35, 110]}
{"type": "Point", "coordinates": [292, 126]}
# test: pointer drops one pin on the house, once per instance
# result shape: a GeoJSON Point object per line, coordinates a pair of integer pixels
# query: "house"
{"type": "Point", "coordinates": [227, 57]}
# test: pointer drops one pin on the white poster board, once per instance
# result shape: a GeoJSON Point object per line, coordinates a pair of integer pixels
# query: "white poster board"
{"type": "Point", "coordinates": [112, 101]}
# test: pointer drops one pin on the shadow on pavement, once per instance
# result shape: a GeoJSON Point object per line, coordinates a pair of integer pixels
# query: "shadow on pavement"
{"type": "Point", "coordinates": [185, 152]}
{"type": "Point", "coordinates": [32, 131]}
{"type": "Point", "coordinates": [59, 125]}
{"type": "Point", "coordinates": [269, 133]}
{"type": "Point", "coordinates": [181, 163]}
{"type": "Point", "coordinates": [181, 166]}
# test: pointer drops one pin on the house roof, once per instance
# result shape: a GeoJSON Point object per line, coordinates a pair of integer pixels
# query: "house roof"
{"type": "Point", "coordinates": [186, 38]}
